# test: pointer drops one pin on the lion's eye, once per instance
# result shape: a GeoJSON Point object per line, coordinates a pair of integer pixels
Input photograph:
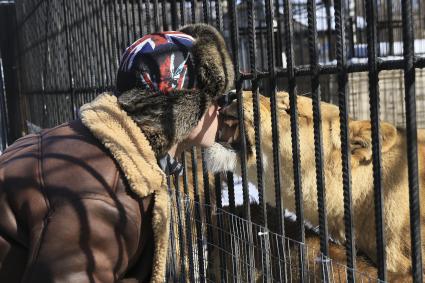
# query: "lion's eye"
{"type": "Point", "coordinates": [359, 144]}
{"type": "Point", "coordinates": [227, 115]}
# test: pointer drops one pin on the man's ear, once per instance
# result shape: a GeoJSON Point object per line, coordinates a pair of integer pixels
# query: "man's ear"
{"type": "Point", "coordinates": [361, 140]}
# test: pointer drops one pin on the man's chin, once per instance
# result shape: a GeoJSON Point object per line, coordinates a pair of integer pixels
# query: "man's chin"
{"type": "Point", "coordinates": [221, 158]}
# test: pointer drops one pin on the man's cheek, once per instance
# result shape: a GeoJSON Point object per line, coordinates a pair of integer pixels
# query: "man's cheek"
{"type": "Point", "coordinates": [213, 110]}
{"type": "Point", "coordinates": [211, 134]}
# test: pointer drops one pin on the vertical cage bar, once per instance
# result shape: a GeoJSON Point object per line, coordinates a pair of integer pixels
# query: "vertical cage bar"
{"type": "Point", "coordinates": [119, 7]}
{"type": "Point", "coordinates": [198, 219]}
{"type": "Point", "coordinates": [350, 37]}
{"type": "Point", "coordinates": [100, 30]}
{"type": "Point", "coordinates": [182, 12]}
{"type": "Point", "coordinates": [91, 45]}
{"type": "Point", "coordinates": [219, 15]}
{"type": "Point", "coordinates": [231, 188]}
{"type": "Point", "coordinates": [110, 47]}
{"type": "Point", "coordinates": [274, 122]}
{"type": "Point", "coordinates": [257, 115]}
{"type": "Point", "coordinates": [148, 16]}
{"type": "Point", "coordinates": [236, 276]}
{"type": "Point", "coordinates": [193, 10]}
{"type": "Point", "coordinates": [390, 30]}
{"type": "Point", "coordinates": [279, 35]}
{"type": "Point", "coordinates": [133, 18]}
{"type": "Point", "coordinates": [76, 50]}
{"type": "Point", "coordinates": [140, 19]}
{"type": "Point", "coordinates": [189, 237]}
{"type": "Point", "coordinates": [220, 224]}
{"type": "Point", "coordinates": [164, 14]}
{"type": "Point", "coordinates": [207, 196]}
{"type": "Point", "coordinates": [294, 133]}
{"type": "Point", "coordinates": [96, 51]}
{"type": "Point", "coordinates": [217, 181]}
{"type": "Point", "coordinates": [4, 126]}
{"type": "Point", "coordinates": [234, 45]}
{"type": "Point", "coordinates": [106, 38]}
{"type": "Point", "coordinates": [329, 28]}
{"type": "Point", "coordinates": [411, 135]}
{"type": "Point", "coordinates": [258, 148]}
{"type": "Point", "coordinates": [205, 11]}
{"type": "Point", "coordinates": [341, 57]}
{"type": "Point", "coordinates": [117, 41]}
{"type": "Point", "coordinates": [44, 77]}
{"type": "Point", "coordinates": [156, 16]}
{"type": "Point", "coordinates": [174, 24]}
{"type": "Point", "coordinates": [172, 243]}
{"type": "Point", "coordinates": [246, 201]}
{"type": "Point", "coordinates": [318, 139]}
{"type": "Point", "coordinates": [87, 47]}
{"type": "Point", "coordinates": [68, 58]}
{"type": "Point", "coordinates": [372, 53]}
{"type": "Point", "coordinates": [275, 133]}
{"type": "Point", "coordinates": [282, 277]}
{"type": "Point", "coordinates": [180, 224]}
{"type": "Point", "coordinates": [127, 23]}
{"type": "Point", "coordinates": [185, 177]}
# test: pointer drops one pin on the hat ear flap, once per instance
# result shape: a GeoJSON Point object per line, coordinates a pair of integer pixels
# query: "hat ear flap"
{"type": "Point", "coordinates": [214, 67]}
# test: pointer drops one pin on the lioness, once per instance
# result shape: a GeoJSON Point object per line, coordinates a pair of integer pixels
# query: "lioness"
{"type": "Point", "coordinates": [394, 172]}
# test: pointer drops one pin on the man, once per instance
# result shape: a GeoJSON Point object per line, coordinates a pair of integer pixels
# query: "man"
{"type": "Point", "coordinates": [88, 201]}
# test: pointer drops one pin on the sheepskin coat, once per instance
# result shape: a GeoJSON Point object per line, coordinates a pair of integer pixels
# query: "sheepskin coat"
{"type": "Point", "coordinates": [84, 202]}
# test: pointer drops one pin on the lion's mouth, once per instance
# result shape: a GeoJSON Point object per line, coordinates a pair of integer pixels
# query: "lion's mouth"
{"type": "Point", "coordinates": [228, 132]}
{"type": "Point", "coordinates": [223, 155]}
{"type": "Point", "coordinates": [229, 136]}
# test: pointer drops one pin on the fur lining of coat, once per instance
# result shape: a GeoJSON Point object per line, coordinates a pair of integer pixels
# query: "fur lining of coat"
{"type": "Point", "coordinates": [133, 153]}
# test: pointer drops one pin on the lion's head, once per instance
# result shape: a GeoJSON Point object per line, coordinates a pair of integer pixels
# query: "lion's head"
{"type": "Point", "coordinates": [223, 156]}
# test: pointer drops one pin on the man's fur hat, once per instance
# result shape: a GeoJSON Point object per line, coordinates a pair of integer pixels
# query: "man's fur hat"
{"type": "Point", "coordinates": [167, 117]}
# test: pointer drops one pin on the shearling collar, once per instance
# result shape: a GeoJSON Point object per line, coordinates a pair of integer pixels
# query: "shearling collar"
{"type": "Point", "coordinates": [132, 151]}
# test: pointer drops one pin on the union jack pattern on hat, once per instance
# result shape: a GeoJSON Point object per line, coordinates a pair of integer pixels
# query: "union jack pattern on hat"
{"type": "Point", "coordinates": [159, 62]}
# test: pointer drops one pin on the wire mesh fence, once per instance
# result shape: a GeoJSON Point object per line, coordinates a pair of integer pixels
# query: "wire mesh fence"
{"type": "Point", "coordinates": [3, 110]}
{"type": "Point", "coordinates": [364, 56]}
{"type": "Point", "coordinates": [195, 257]}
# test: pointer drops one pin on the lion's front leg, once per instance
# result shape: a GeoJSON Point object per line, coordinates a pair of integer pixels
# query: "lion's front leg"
{"type": "Point", "coordinates": [398, 258]}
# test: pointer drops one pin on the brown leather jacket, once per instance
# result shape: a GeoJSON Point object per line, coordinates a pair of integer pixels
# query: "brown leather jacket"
{"type": "Point", "coordinates": [68, 214]}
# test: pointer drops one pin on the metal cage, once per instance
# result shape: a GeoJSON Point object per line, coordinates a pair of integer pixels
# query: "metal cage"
{"type": "Point", "coordinates": [68, 53]}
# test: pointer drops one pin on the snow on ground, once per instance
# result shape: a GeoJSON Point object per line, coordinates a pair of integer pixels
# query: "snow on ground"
{"type": "Point", "coordinates": [253, 192]}
{"type": "Point", "coordinates": [253, 195]}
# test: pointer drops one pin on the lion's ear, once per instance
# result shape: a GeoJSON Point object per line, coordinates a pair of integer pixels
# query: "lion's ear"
{"type": "Point", "coordinates": [388, 135]}
{"type": "Point", "coordinates": [304, 105]}
{"type": "Point", "coordinates": [282, 101]}
{"type": "Point", "coordinates": [361, 140]}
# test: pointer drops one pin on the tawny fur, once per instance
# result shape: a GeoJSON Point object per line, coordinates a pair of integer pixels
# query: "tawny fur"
{"type": "Point", "coordinates": [394, 175]}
